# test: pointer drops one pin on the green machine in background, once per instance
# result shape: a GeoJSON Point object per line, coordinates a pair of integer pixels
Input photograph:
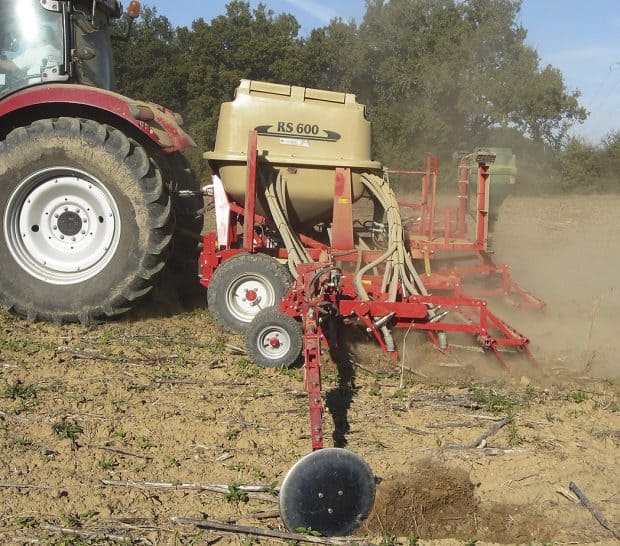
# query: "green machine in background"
{"type": "Point", "coordinates": [503, 175]}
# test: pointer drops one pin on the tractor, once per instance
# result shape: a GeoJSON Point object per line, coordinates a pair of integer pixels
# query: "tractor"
{"type": "Point", "coordinates": [89, 178]}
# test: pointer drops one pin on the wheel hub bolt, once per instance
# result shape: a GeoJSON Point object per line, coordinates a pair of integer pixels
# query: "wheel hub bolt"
{"type": "Point", "coordinates": [274, 342]}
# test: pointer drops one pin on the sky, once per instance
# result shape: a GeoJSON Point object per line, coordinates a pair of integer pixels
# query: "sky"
{"type": "Point", "coordinates": [581, 38]}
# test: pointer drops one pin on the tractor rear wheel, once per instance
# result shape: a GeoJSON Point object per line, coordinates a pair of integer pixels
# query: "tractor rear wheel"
{"type": "Point", "coordinates": [274, 339]}
{"type": "Point", "coordinates": [86, 221]}
{"type": "Point", "coordinates": [242, 286]}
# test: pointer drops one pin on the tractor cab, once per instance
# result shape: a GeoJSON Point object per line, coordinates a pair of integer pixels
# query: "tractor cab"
{"type": "Point", "coordinates": [47, 41]}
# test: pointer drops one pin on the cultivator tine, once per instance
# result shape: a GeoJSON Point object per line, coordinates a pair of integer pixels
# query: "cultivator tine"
{"type": "Point", "coordinates": [525, 299]}
{"type": "Point", "coordinates": [500, 357]}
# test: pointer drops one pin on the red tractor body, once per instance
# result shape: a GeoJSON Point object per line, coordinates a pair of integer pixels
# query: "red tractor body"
{"type": "Point", "coordinates": [89, 179]}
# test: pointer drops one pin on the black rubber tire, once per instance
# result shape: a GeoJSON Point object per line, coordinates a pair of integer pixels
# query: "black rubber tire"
{"type": "Point", "coordinates": [272, 322]}
{"type": "Point", "coordinates": [181, 276]}
{"type": "Point", "coordinates": [245, 268]}
{"type": "Point", "coordinates": [135, 186]}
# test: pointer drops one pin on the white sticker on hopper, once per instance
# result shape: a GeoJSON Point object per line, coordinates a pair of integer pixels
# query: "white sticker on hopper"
{"type": "Point", "coordinates": [295, 142]}
{"type": "Point", "coordinates": [2, 79]}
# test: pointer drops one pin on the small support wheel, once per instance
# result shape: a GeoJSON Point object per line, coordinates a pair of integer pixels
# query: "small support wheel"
{"type": "Point", "coordinates": [274, 339]}
{"type": "Point", "coordinates": [244, 285]}
{"type": "Point", "coordinates": [331, 491]}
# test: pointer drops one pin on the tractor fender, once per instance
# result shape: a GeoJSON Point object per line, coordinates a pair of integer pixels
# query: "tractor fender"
{"type": "Point", "coordinates": [159, 124]}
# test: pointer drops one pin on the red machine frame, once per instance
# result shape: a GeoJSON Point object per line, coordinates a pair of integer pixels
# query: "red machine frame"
{"type": "Point", "coordinates": [438, 234]}
{"type": "Point", "coordinates": [322, 288]}
{"type": "Point", "coordinates": [411, 312]}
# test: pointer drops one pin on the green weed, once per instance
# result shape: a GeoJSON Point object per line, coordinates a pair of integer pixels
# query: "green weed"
{"type": "Point", "coordinates": [293, 373]}
{"type": "Point", "coordinates": [308, 531]}
{"type": "Point", "coordinates": [236, 495]}
{"type": "Point", "coordinates": [233, 434]}
{"type": "Point", "coordinates": [578, 396]}
{"type": "Point", "coordinates": [493, 401]}
{"type": "Point", "coordinates": [70, 520]}
{"type": "Point", "coordinates": [514, 438]}
{"type": "Point", "coordinates": [145, 443]}
{"type": "Point", "coordinates": [118, 433]}
{"type": "Point", "coordinates": [375, 389]}
{"type": "Point", "coordinates": [22, 442]}
{"type": "Point", "coordinates": [379, 444]}
{"type": "Point", "coordinates": [25, 522]}
{"type": "Point", "coordinates": [171, 461]}
{"type": "Point", "coordinates": [19, 389]}
{"type": "Point", "coordinates": [246, 369]}
{"type": "Point", "coordinates": [388, 539]}
{"type": "Point", "coordinates": [108, 463]}
{"type": "Point", "coordinates": [67, 430]}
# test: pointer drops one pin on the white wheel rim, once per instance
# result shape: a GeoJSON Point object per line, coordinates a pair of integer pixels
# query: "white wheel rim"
{"type": "Point", "coordinates": [248, 294]}
{"type": "Point", "coordinates": [273, 342]}
{"type": "Point", "coordinates": [62, 226]}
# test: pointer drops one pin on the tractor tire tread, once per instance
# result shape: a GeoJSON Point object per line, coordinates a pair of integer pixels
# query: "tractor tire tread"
{"type": "Point", "coordinates": [127, 154]}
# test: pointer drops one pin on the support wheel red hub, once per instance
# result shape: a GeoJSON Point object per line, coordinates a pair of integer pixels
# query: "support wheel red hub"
{"type": "Point", "coordinates": [274, 339]}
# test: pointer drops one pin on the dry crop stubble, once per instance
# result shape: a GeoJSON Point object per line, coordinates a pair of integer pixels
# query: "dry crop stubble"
{"type": "Point", "coordinates": [162, 389]}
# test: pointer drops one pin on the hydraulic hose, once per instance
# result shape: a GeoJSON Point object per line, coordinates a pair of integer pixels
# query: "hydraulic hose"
{"type": "Point", "coordinates": [275, 194]}
{"type": "Point", "coordinates": [399, 268]}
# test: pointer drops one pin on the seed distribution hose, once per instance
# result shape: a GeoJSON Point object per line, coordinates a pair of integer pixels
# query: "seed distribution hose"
{"type": "Point", "coordinates": [275, 194]}
{"type": "Point", "coordinates": [399, 270]}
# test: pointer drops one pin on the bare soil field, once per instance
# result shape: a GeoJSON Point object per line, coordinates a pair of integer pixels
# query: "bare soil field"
{"type": "Point", "coordinates": [107, 431]}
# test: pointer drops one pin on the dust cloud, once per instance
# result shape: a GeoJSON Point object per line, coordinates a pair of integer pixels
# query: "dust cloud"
{"type": "Point", "coordinates": [566, 249]}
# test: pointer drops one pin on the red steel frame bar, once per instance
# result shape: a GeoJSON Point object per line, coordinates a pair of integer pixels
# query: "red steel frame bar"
{"type": "Point", "coordinates": [312, 379]}
{"type": "Point", "coordinates": [463, 193]}
{"type": "Point", "coordinates": [433, 177]}
{"type": "Point", "coordinates": [250, 194]}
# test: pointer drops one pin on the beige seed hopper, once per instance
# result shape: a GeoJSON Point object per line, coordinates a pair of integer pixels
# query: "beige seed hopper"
{"type": "Point", "coordinates": [303, 135]}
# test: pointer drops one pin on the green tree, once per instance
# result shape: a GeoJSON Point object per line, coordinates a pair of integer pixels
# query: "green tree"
{"type": "Point", "coordinates": [611, 159]}
{"type": "Point", "coordinates": [440, 75]}
{"type": "Point", "coordinates": [147, 62]}
{"type": "Point", "coordinates": [436, 75]}
{"type": "Point", "coordinates": [333, 58]}
{"type": "Point", "coordinates": [243, 43]}
{"type": "Point", "coordinates": [581, 166]}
